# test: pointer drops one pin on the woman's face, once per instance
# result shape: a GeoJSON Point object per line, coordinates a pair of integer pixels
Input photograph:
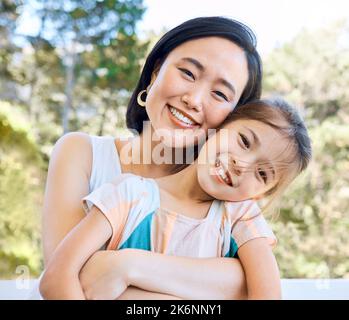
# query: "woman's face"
{"type": "Point", "coordinates": [197, 86]}
{"type": "Point", "coordinates": [242, 161]}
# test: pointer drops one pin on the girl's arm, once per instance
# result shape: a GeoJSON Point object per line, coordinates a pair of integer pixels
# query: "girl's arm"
{"type": "Point", "coordinates": [261, 269]}
{"type": "Point", "coordinates": [61, 277]}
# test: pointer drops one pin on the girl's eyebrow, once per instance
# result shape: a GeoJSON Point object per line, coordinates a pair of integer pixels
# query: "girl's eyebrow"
{"type": "Point", "coordinates": [258, 143]}
{"type": "Point", "coordinates": [255, 137]}
{"type": "Point", "coordinates": [199, 66]}
{"type": "Point", "coordinates": [272, 171]}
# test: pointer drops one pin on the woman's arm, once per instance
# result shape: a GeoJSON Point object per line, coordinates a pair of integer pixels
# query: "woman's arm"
{"type": "Point", "coordinates": [67, 183]}
{"type": "Point", "coordinates": [187, 278]}
{"type": "Point", "coordinates": [104, 272]}
{"type": "Point", "coordinates": [261, 269]}
{"type": "Point", "coordinates": [61, 277]}
{"type": "Point", "coordinates": [134, 293]}
{"type": "Point", "coordinates": [182, 276]}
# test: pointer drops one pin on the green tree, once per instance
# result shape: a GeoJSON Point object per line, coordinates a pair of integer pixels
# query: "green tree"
{"type": "Point", "coordinates": [312, 71]}
{"type": "Point", "coordinates": [73, 26]}
{"type": "Point", "coordinates": [8, 17]}
{"type": "Point", "coordinates": [21, 189]}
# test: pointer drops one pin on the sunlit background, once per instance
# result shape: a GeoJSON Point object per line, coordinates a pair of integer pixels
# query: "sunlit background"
{"type": "Point", "coordinates": [69, 66]}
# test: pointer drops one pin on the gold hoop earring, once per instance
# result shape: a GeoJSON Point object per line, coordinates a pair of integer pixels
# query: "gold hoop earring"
{"type": "Point", "coordinates": [139, 98]}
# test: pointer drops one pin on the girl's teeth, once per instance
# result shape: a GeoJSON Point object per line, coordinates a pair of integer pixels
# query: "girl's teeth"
{"type": "Point", "coordinates": [221, 172]}
{"type": "Point", "coordinates": [180, 116]}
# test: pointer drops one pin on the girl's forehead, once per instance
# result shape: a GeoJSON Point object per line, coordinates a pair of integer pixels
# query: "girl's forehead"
{"type": "Point", "coordinates": [252, 125]}
{"type": "Point", "coordinates": [264, 139]}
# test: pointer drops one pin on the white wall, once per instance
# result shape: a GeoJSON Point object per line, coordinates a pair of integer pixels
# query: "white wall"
{"type": "Point", "coordinates": [303, 289]}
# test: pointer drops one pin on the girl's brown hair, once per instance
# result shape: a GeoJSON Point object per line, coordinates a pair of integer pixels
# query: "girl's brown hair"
{"type": "Point", "coordinates": [276, 113]}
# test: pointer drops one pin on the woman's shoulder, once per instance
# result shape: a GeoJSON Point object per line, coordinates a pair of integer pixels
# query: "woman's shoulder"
{"type": "Point", "coordinates": [74, 146]}
{"type": "Point", "coordinates": [79, 140]}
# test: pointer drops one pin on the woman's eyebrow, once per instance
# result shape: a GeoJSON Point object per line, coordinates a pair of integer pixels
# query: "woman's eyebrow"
{"type": "Point", "coordinates": [199, 66]}
{"type": "Point", "coordinates": [195, 62]}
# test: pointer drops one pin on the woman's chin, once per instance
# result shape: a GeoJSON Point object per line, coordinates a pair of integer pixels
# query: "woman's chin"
{"type": "Point", "coordinates": [178, 141]}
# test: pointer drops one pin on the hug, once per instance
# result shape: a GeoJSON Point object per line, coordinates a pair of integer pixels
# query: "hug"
{"type": "Point", "coordinates": [118, 229]}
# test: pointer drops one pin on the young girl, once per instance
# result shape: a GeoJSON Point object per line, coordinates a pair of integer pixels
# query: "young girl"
{"type": "Point", "coordinates": [206, 210]}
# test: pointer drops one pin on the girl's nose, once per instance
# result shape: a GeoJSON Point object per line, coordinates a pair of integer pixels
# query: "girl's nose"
{"type": "Point", "coordinates": [237, 167]}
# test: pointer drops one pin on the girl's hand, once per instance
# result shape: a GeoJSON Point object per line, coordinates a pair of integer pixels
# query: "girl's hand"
{"type": "Point", "coordinates": [104, 276]}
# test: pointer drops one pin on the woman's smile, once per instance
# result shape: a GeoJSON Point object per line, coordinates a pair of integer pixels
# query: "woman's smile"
{"type": "Point", "coordinates": [181, 119]}
{"type": "Point", "coordinates": [187, 92]}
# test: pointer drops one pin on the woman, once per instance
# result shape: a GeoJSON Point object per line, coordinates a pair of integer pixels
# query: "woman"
{"type": "Point", "coordinates": [192, 79]}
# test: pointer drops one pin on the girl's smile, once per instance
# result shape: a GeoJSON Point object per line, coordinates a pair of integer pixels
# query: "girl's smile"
{"type": "Point", "coordinates": [241, 160]}
{"type": "Point", "coordinates": [222, 174]}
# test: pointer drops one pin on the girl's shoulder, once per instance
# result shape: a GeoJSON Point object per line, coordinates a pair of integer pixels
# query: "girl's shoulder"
{"type": "Point", "coordinates": [139, 187]}
{"type": "Point", "coordinates": [246, 222]}
{"type": "Point", "coordinates": [242, 210]}
{"type": "Point", "coordinates": [127, 195]}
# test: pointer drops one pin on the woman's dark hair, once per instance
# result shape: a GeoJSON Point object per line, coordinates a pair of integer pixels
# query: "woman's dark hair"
{"type": "Point", "coordinates": [192, 29]}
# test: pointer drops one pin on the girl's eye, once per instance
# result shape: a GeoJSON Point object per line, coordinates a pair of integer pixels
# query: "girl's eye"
{"type": "Point", "coordinates": [263, 175]}
{"type": "Point", "coordinates": [222, 95]}
{"type": "Point", "coordinates": [187, 73]}
{"type": "Point", "coordinates": [245, 141]}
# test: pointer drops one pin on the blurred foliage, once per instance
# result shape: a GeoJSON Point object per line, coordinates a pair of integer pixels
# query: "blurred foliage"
{"type": "Point", "coordinates": [35, 72]}
{"type": "Point", "coordinates": [21, 179]}
{"type": "Point", "coordinates": [311, 71]}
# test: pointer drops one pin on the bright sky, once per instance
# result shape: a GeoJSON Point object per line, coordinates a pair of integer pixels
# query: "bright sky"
{"type": "Point", "coordinates": [273, 21]}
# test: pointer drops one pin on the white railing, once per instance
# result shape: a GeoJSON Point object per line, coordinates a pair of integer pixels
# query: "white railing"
{"type": "Point", "coordinates": [303, 289]}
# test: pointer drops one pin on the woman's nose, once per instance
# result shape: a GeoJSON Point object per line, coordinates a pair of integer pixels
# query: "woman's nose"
{"type": "Point", "coordinates": [194, 100]}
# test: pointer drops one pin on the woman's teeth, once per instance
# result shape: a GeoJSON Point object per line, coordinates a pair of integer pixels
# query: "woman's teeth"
{"type": "Point", "coordinates": [180, 116]}
{"type": "Point", "coordinates": [222, 173]}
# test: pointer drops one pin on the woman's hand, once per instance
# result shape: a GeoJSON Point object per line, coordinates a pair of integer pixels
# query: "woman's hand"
{"type": "Point", "coordinates": [105, 275]}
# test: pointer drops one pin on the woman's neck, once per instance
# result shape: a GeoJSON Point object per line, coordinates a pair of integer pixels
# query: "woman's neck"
{"type": "Point", "coordinates": [184, 185]}
{"type": "Point", "coordinates": [145, 157]}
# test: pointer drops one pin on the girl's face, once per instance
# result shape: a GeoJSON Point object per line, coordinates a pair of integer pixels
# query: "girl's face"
{"type": "Point", "coordinates": [240, 161]}
{"type": "Point", "coordinates": [197, 86]}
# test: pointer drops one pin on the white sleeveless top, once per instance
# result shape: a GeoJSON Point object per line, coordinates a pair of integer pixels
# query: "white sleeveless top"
{"type": "Point", "coordinates": [105, 168]}
{"type": "Point", "coordinates": [105, 161]}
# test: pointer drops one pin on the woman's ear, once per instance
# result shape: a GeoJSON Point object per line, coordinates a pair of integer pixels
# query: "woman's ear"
{"type": "Point", "coordinates": [154, 73]}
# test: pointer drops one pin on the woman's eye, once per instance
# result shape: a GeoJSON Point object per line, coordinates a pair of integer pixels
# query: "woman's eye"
{"type": "Point", "coordinates": [263, 175]}
{"type": "Point", "coordinates": [222, 95]}
{"type": "Point", "coordinates": [245, 141]}
{"type": "Point", "coordinates": [187, 73]}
